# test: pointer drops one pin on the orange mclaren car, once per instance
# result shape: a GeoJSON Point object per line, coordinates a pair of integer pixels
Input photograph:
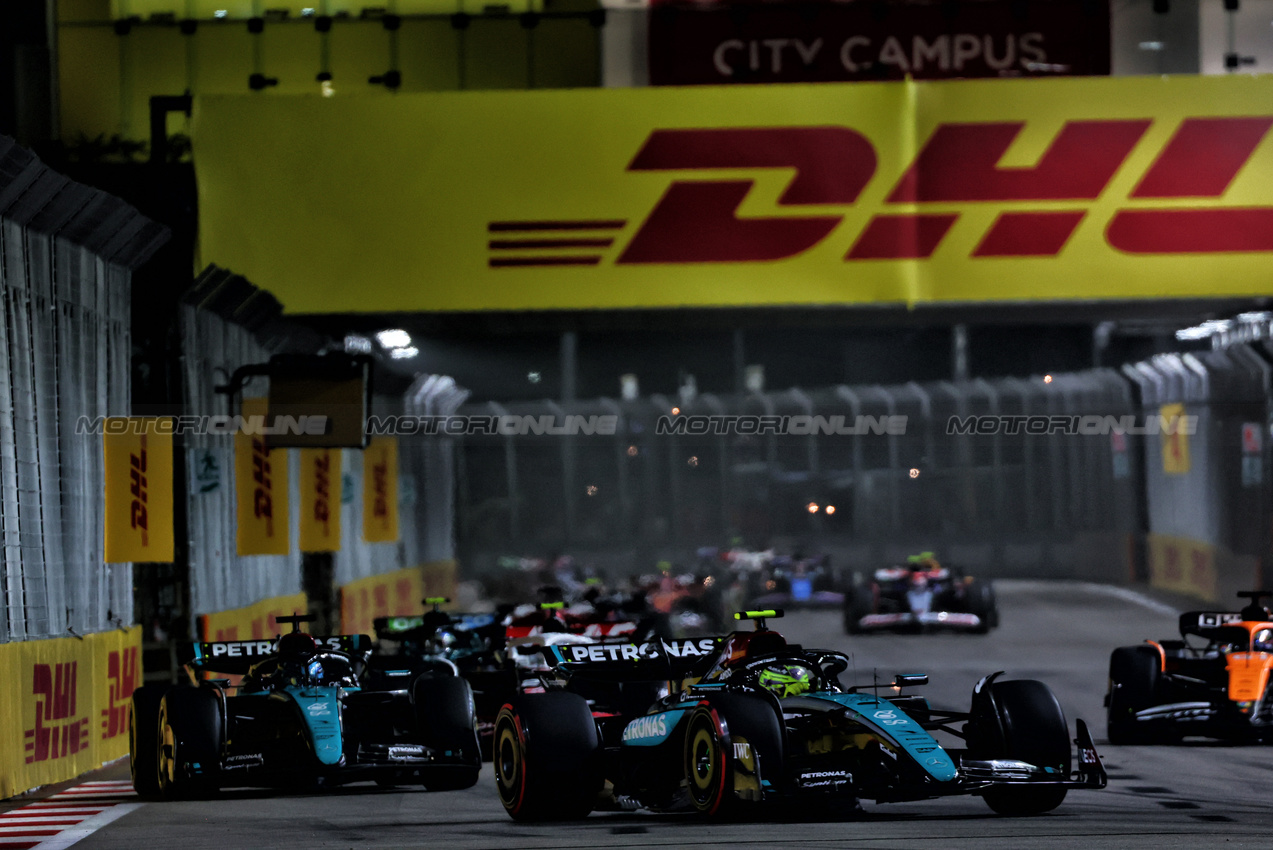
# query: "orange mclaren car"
{"type": "Point", "coordinates": [1213, 682]}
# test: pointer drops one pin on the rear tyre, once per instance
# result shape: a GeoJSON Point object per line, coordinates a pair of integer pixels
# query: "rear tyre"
{"type": "Point", "coordinates": [1021, 720]}
{"type": "Point", "coordinates": [189, 742]}
{"type": "Point", "coordinates": [143, 753]}
{"type": "Point", "coordinates": [980, 596]}
{"type": "Point", "coordinates": [1134, 673]}
{"type": "Point", "coordinates": [444, 709]}
{"type": "Point", "coordinates": [858, 602]}
{"type": "Point", "coordinates": [547, 757]}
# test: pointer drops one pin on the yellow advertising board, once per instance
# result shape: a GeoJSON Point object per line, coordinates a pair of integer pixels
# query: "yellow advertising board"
{"type": "Point", "coordinates": [138, 496]}
{"type": "Point", "coordinates": [905, 193]}
{"type": "Point", "coordinates": [320, 500]}
{"type": "Point", "coordinates": [64, 707]}
{"type": "Point", "coordinates": [1175, 440]}
{"type": "Point", "coordinates": [397, 594]}
{"type": "Point", "coordinates": [261, 487]}
{"type": "Point", "coordinates": [1182, 565]}
{"type": "Point", "coordinates": [252, 622]}
{"type": "Point", "coordinates": [380, 490]}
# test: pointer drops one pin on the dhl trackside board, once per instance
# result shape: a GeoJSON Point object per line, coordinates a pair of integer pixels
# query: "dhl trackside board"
{"type": "Point", "coordinates": [962, 191]}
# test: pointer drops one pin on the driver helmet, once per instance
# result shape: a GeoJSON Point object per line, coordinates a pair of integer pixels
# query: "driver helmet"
{"type": "Point", "coordinates": [1263, 641]}
{"type": "Point", "coordinates": [786, 680]}
{"type": "Point", "coordinates": [296, 645]}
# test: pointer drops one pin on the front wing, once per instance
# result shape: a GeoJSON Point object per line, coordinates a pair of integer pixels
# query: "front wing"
{"type": "Point", "coordinates": [930, 619]}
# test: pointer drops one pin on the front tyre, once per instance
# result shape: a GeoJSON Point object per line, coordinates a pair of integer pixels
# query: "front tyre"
{"type": "Point", "coordinates": [143, 755]}
{"type": "Point", "coordinates": [1021, 720]}
{"type": "Point", "coordinates": [859, 601]}
{"type": "Point", "coordinates": [1134, 672]}
{"type": "Point", "coordinates": [189, 742]}
{"type": "Point", "coordinates": [546, 757]}
{"type": "Point", "coordinates": [444, 709]}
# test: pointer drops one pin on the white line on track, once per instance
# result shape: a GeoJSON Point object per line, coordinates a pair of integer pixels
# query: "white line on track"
{"type": "Point", "coordinates": [69, 836]}
{"type": "Point", "coordinates": [1124, 593]}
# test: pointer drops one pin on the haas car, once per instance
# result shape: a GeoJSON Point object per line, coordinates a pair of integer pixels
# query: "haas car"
{"type": "Point", "coordinates": [299, 716]}
{"type": "Point", "coordinates": [1213, 682]}
{"type": "Point", "coordinates": [921, 595]}
{"type": "Point", "coordinates": [722, 725]}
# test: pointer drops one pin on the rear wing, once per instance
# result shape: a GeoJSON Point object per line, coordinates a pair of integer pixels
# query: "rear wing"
{"type": "Point", "coordinates": [236, 657]}
{"type": "Point", "coordinates": [1205, 624]}
{"type": "Point", "coordinates": [406, 628]}
{"type": "Point", "coordinates": [654, 660]}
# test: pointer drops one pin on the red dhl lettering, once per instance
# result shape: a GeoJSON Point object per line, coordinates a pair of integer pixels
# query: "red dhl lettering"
{"type": "Point", "coordinates": [322, 491]}
{"type": "Point", "coordinates": [137, 488]}
{"type": "Point", "coordinates": [262, 498]}
{"type": "Point", "coordinates": [121, 672]}
{"type": "Point", "coordinates": [380, 485]}
{"type": "Point", "coordinates": [696, 221]}
{"type": "Point", "coordinates": [57, 732]}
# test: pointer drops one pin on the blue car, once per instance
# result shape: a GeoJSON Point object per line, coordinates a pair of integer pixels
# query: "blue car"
{"type": "Point", "coordinates": [297, 714]}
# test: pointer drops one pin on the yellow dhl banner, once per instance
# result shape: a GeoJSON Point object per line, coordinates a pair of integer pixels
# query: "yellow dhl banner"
{"type": "Point", "coordinates": [1175, 440]}
{"type": "Point", "coordinates": [396, 594]}
{"type": "Point", "coordinates": [64, 707]}
{"type": "Point", "coordinates": [252, 622]}
{"type": "Point", "coordinates": [907, 193]}
{"type": "Point", "coordinates": [1182, 565]}
{"type": "Point", "coordinates": [261, 489]}
{"type": "Point", "coordinates": [380, 491]}
{"type": "Point", "coordinates": [320, 500]}
{"type": "Point", "coordinates": [138, 495]}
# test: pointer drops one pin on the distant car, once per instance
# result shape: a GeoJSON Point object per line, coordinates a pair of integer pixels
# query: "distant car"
{"type": "Point", "coordinates": [498, 655]}
{"type": "Point", "coordinates": [298, 717]}
{"type": "Point", "coordinates": [921, 595]}
{"type": "Point", "coordinates": [799, 583]}
{"type": "Point", "coordinates": [473, 646]}
{"type": "Point", "coordinates": [1215, 682]}
{"type": "Point", "coordinates": [745, 723]}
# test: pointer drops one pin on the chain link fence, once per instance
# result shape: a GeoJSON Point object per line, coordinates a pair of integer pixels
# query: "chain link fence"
{"type": "Point", "coordinates": [67, 253]}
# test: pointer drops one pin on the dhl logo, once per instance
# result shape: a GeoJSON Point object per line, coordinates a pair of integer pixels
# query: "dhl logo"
{"type": "Point", "coordinates": [262, 492]}
{"type": "Point", "coordinates": [322, 491]}
{"type": "Point", "coordinates": [696, 220]}
{"type": "Point", "coordinates": [122, 673]}
{"type": "Point", "coordinates": [137, 512]}
{"type": "Point", "coordinates": [59, 731]}
{"type": "Point", "coordinates": [380, 490]}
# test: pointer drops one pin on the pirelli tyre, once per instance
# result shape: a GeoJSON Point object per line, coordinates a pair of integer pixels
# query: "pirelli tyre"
{"type": "Point", "coordinates": [733, 743]}
{"type": "Point", "coordinates": [189, 742]}
{"type": "Point", "coordinates": [1134, 673]}
{"type": "Point", "coordinates": [980, 600]}
{"type": "Point", "coordinates": [546, 757]}
{"type": "Point", "coordinates": [444, 709]}
{"type": "Point", "coordinates": [143, 749]}
{"type": "Point", "coordinates": [859, 601]}
{"type": "Point", "coordinates": [1021, 720]}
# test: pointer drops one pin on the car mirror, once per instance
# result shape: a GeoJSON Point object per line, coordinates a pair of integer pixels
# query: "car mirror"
{"type": "Point", "coordinates": [903, 680]}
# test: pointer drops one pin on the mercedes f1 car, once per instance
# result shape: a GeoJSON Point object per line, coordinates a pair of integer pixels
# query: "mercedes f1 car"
{"type": "Point", "coordinates": [299, 717]}
{"type": "Point", "coordinates": [1214, 682]}
{"type": "Point", "coordinates": [719, 725]}
{"type": "Point", "coordinates": [497, 656]}
{"type": "Point", "coordinates": [922, 595]}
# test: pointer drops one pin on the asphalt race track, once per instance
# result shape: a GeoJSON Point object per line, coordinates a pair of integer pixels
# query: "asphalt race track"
{"type": "Point", "coordinates": [1191, 795]}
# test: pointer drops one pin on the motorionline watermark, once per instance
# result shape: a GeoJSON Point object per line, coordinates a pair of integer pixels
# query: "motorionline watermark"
{"type": "Point", "coordinates": [508, 425]}
{"type": "Point", "coordinates": [786, 426]}
{"type": "Point", "coordinates": [1070, 424]}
